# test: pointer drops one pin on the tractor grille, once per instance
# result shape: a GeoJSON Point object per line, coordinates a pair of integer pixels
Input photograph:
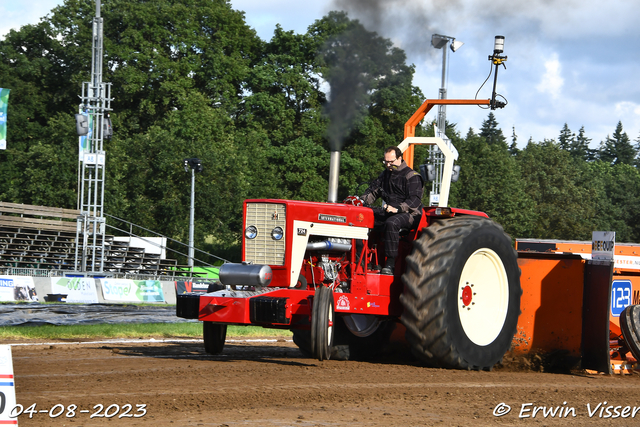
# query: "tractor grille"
{"type": "Point", "coordinates": [264, 249]}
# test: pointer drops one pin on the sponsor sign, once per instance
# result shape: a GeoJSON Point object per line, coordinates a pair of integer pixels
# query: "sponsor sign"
{"type": "Point", "coordinates": [78, 289]}
{"type": "Point", "coordinates": [126, 290]}
{"type": "Point", "coordinates": [621, 292]}
{"type": "Point", "coordinates": [602, 245]}
{"type": "Point", "coordinates": [17, 288]}
{"type": "Point", "coordinates": [343, 303]}
{"type": "Point", "coordinates": [628, 262]}
{"type": "Point", "coordinates": [184, 287]}
{"type": "Point", "coordinates": [93, 158]}
{"type": "Point", "coordinates": [7, 387]}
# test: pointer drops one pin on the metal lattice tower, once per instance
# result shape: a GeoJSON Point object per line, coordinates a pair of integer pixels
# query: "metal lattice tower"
{"type": "Point", "coordinates": [96, 102]}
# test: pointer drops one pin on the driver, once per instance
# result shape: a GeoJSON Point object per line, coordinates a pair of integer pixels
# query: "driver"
{"type": "Point", "coordinates": [400, 188]}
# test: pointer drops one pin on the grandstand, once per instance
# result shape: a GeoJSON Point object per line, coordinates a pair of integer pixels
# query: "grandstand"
{"type": "Point", "coordinates": [43, 240]}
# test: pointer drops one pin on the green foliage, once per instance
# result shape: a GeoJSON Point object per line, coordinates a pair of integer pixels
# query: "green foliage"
{"type": "Point", "coordinates": [557, 187]}
{"type": "Point", "coordinates": [617, 200]}
{"type": "Point", "coordinates": [191, 79]}
{"type": "Point", "coordinates": [491, 182]}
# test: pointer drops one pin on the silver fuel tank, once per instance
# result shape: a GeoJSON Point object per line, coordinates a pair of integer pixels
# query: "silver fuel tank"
{"type": "Point", "coordinates": [245, 274]}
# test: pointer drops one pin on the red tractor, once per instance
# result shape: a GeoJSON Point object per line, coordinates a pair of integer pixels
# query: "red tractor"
{"type": "Point", "coordinates": [308, 268]}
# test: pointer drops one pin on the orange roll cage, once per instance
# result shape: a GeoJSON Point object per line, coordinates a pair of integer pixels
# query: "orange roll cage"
{"type": "Point", "coordinates": [410, 126]}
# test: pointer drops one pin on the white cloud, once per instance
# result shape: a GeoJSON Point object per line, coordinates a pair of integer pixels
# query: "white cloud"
{"type": "Point", "coordinates": [590, 80]}
{"type": "Point", "coordinates": [552, 81]}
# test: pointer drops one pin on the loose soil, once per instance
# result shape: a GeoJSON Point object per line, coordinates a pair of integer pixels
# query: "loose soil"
{"type": "Point", "coordinates": [273, 384]}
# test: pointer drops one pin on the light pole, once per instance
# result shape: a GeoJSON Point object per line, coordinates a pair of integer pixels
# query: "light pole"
{"type": "Point", "coordinates": [195, 166]}
{"type": "Point", "coordinates": [440, 42]}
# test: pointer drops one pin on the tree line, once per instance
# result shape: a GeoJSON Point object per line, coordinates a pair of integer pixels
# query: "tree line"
{"type": "Point", "coordinates": [191, 79]}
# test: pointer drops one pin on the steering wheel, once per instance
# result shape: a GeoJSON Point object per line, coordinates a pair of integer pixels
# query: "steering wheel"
{"type": "Point", "coordinates": [353, 200]}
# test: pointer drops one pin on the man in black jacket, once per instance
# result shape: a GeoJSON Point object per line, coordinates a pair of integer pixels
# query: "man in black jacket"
{"type": "Point", "coordinates": [400, 188]}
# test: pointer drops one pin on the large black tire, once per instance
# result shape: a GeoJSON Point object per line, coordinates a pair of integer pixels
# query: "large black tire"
{"type": "Point", "coordinates": [347, 346]}
{"type": "Point", "coordinates": [461, 294]}
{"type": "Point", "coordinates": [630, 326]}
{"type": "Point", "coordinates": [322, 318]}
{"type": "Point", "coordinates": [214, 335]}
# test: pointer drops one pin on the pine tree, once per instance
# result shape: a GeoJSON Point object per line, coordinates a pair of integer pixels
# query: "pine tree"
{"type": "Point", "coordinates": [566, 138]}
{"type": "Point", "coordinates": [491, 132]}
{"type": "Point", "coordinates": [617, 149]}
{"type": "Point", "coordinates": [513, 148]}
{"type": "Point", "coordinates": [579, 148]}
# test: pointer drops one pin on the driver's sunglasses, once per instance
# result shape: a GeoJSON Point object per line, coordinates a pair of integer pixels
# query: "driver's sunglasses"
{"type": "Point", "coordinates": [388, 162]}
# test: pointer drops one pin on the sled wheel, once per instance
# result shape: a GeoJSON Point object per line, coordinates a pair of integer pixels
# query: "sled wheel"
{"type": "Point", "coordinates": [214, 335]}
{"type": "Point", "coordinates": [322, 317]}
{"type": "Point", "coordinates": [629, 323]}
{"type": "Point", "coordinates": [461, 294]}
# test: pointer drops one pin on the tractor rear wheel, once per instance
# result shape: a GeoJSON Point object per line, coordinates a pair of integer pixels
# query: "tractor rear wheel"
{"type": "Point", "coordinates": [214, 335]}
{"type": "Point", "coordinates": [461, 294]}
{"type": "Point", "coordinates": [322, 318]}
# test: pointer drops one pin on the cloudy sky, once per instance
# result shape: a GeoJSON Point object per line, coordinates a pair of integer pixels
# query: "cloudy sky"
{"type": "Point", "coordinates": [569, 61]}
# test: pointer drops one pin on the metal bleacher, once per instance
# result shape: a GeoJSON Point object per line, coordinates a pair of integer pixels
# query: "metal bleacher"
{"type": "Point", "coordinates": [44, 238]}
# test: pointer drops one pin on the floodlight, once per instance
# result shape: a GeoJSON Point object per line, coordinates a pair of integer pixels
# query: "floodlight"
{"type": "Point", "coordinates": [455, 45]}
{"type": "Point", "coordinates": [192, 164]}
{"type": "Point", "coordinates": [439, 41]}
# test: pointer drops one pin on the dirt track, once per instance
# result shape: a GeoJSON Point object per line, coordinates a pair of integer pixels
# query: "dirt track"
{"type": "Point", "coordinates": [272, 384]}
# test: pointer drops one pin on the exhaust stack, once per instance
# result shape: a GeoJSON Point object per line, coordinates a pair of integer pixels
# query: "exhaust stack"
{"type": "Point", "coordinates": [334, 173]}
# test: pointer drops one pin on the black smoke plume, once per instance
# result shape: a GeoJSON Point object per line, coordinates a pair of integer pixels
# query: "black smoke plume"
{"type": "Point", "coordinates": [355, 61]}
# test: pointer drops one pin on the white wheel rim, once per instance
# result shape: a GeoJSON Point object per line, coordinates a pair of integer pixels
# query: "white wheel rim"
{"type": "Point", "coordinates": [483, 297]}
{"type": "Point", "coordinates": [330, 326]}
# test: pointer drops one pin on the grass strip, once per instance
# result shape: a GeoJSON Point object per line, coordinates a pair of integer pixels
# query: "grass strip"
{"type": "Point", "coordinates": [129, 330]}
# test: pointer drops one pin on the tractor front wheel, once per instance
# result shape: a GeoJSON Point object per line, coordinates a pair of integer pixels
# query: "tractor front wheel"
{"type": "Point", "coordinates": [214, 335]}
{"type": "Point", "coordinates": [461, 294]}
{"type": "Point", "coordinates": [322, 318]}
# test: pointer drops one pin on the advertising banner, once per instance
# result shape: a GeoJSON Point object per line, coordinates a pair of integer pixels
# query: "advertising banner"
{"type": "Point", "coordinates": [17, 288]}
{"type": "Point", "coordinates": [183, 287]}
{"type": "Point", "coordinates": [84, 141]}
{"type": "Point", "coordinates": [78, 289]}
{"type": "Point", "coordinates": [4, 102]}
{"type": "Point", "coordinates": [127, 290]}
